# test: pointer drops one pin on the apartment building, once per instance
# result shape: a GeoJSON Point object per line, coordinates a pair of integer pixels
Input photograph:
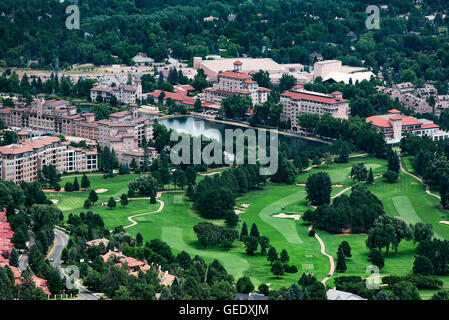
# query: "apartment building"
{"type": "Point", "coordinates": [298, 100]}
{"type": "Point", "coordinates": [21, 161]}
{"type": "Point", "coordinates": [412, 98]}
{"type": "Point", "coordinates": [124, 93]}
{"type": "Point", "coordinates": [394, 125]}
{"type": "Point", "coordinates": [61, 119]}
{"type": "Point", "coordinates": [236, 82]}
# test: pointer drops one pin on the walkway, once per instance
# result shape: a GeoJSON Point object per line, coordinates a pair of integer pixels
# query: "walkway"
{"type": "Point", "coordinates": [331, 259]}
{"type": "Point", "coordinates": [130, 218]}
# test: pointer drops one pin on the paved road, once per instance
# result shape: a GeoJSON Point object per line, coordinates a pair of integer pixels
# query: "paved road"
{"type": "Point", "coordinates": [23, 259]}
{"type": "Point", "coordinates": [62, 239]}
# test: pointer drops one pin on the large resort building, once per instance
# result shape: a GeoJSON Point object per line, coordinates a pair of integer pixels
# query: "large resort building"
{"type": "Point", "coordinates": [394, 126]}
{"type": "Point", "coordinates": [56, 117]}
{"type": "Point", "coordinates": [297, 101]}
{"type": "Point", "coordinates": [124, 93]}
{"type": "Point", "coordinates": [236, 82]}
{"type": "Point", "coordinates": [21, 161]}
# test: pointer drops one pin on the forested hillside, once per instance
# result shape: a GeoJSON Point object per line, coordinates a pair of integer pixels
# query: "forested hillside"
{"type": "Point", "coordinates": [33, 33]}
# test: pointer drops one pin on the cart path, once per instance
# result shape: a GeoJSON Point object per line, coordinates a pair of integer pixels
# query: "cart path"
{"type": "Point", "coordinates": [331, 259]}
{"type": "Point", "coordinates": [419, 179]}
{"type": "Point", "coordinates": [133, 222]}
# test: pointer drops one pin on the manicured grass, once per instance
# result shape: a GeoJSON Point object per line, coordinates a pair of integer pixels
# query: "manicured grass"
{"type": "Point", "coordinates": [174, 224]}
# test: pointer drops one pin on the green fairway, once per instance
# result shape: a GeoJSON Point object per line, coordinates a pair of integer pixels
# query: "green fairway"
{"type": "Point", "coordinates": [286, 227]}
{"type": "Point", "coordinates": [403, 205]}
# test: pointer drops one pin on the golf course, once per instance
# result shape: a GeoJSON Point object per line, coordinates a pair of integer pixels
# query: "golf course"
{"type": "Point", "coordinates": [277, 210]}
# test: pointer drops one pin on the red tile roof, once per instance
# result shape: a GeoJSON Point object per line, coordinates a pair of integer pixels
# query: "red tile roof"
{"type": "Point", "coordinates": [238, 63]}
{"type": "Point", "coordinates": [310, 97]}
{"type": "Point", "coordinates": [235, 75]}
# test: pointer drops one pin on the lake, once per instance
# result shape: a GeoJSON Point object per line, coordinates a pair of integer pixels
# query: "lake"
{"type": "Point", "coordinates": [197, 127]}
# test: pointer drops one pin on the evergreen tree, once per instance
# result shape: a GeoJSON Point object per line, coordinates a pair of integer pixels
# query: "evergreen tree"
{"type": "Point", "coordinates": [124, 200]}
{"type": "Point", "coordinates": [346, 249]}
{"type": "Point", "coordinates": [370, 178]}
{"type": "Point", "coordinates": [231, 218]}
{"type": "Point", "coordinates": [10, 211]}
{"type": "Point", "coordinates": [139, 239]}
{"type": "Point", "coordinates": [111, 203]}
{"type": "Point", "coordinates": [85, 183]}
{"type": "Point", "coordinates": [244, 231]}
{"type": "Point", "coordinates": [444, 192]}
{"type": "Point", "coordinates": [87, 204]}
{"type": "Point", "coordinates": [76, 186]}
{"type": "Point", "coordinates": [284, 258]}
{"type": "Point", "coordinates": [272, 255]}
{"type": "Point", "coordinates": [93, 197]}
{"type": "Point", "coordinates": [393, 161]}
{"type": "Point", "coordinates": [14, 258]}
{"type": "Point", "coordinates": [254, 231]}
{"type": "Point", "coordinates": [344, 154]}
{"type": "Point", "coordinates": [341, 261]}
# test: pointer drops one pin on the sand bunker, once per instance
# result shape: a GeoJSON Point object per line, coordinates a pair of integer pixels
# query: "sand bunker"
{"type": "Point", "coordinates": [337, 185]}
{"type": "Point", "coordinates": [238, 211]}
{"type": "Point", "coordinates": [445, 222]}
{"type": "Point", "coordinates": [101, 190]}
{"type": "Point", "coordinates": [291, 216]}
{"type": "Point", "coordinates": [301, 184]}
{"type": "Point", "coordinates": [55, 201]}
{"type": "Point", "coordinates": [245, 205]}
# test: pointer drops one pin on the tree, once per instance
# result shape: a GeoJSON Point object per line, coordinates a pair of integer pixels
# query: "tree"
{"type": "Point", "coordinates": [440, 295]}
{"type": "Point", "coordinates": [111, 203]}
{"type": "Point", "coordinates": [244, 285]}
{"type": "Point", "coordinates": [444, 192]}
{"type": "Point", "coordinates": [346, 249]}
{"type": "Point", "coordinates": [197, 105]}
{"type": "Point", "coordinates": [251, 244]}
{"type": "Point", "coordinates": [286, 82]}
{"type": "Point", "coordinates": [272, 255]}
{"type": "Point", "coordinates": [14, 258]}
{"type": "Point", "coordinates": [359, 172]}
{"type": "Point", "coordinates": [405, 291]}
{"type": "Point", "coordinates": [254, 231]}
{"type": "Point", "coordinates": [93, 197]}
{"type": "Point", "coordinates": [231, 219]}
{"type": "Point", "coordinates": [87, 204]}
{"type": "Point", "coordinates": [370, 178]}
{"type": "Point", "coordinates": [341, 261]}
{"type": "Point", "coordinates": [319, 188]}
{"type": "Point", "coordinates": [139, 239]}
{"type": "Point", "coordinates": [263, 289]}
{"type": "Point", "coordinates": [376, 258]}
{"type": "Point", "coordinates": [393, 161]}
{"type": "Point", "coordinates": [391, 176]}
{"type": "Point", "coordinates": [264, 244]}
{"type": "Point", "coordinates": [68, 186]}
{"type": "Point", "coordinates": [124, 200]}
{"type": "Point", "coordinates": [284, 258]}
{"type": "Point", "coordinates": [343, 156]}
{"type": "Point", "coordinates": [295, 292]}
{"type": "Point", "coordinates": [244, 231]}
{"type": "Point", "coordinates": [423, 265]}
{"type": "Point", "coordinates": [76, 186]}
{"type": "Point", "coordinates": [85, 183]}
{"type": "Point", "coordinates": [277, 269]}
{"type": "Point", "coordinates": [422, 231]}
